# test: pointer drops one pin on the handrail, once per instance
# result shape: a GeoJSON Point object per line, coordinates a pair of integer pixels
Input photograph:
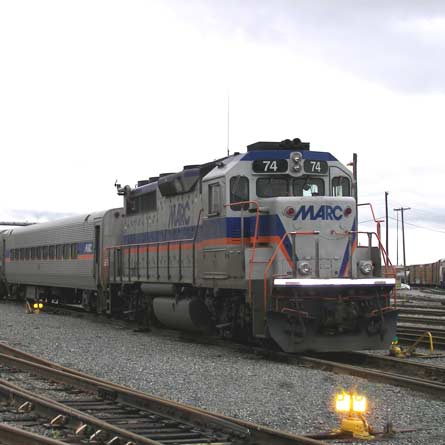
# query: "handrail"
{"type": "Point", "coordinates": [126, 246]}
{"type": "Point", "coordinates": [274, 255]}
{"type": "Point", "coordinates": [377, 221]}
{"type": "Point", "coordinates": [372, 211]}
{"type": "Point", "coordinates": [255, 236]}
{"type": "Point", "coordinates": [387, 261]}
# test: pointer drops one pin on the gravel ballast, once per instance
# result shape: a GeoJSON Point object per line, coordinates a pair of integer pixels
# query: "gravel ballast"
{"type": "Point", "coordinates": [280, 395]}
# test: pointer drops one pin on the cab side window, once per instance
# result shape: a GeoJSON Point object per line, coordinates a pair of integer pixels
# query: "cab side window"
{"type": "Point", "coordinates": [239, 191]}
{"type": "Point", "coordinates": [214, 199]}
{"type": "Point", "coordinates": [341, 186]}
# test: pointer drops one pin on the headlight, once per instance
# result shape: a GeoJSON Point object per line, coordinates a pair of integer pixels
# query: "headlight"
{"type": "Point", "coordinates": [366, 267]}
{"type": "Point", "coordinates": [304, 268]}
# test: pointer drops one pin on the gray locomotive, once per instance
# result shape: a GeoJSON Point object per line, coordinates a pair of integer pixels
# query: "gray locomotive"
{"type": "Point", "coordinates": [260, 246]}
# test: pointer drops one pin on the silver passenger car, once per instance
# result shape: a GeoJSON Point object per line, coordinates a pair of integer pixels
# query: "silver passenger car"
{"type": "Point", "coordinates": [61, 259]}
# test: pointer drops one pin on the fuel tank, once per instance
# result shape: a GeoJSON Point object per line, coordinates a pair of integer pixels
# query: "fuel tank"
{"type": "Point", "coordinates": [189, 314]}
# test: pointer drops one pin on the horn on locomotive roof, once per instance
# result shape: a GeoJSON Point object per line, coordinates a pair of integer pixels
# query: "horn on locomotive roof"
{"type": "Point", "coordinates": [287, 144]}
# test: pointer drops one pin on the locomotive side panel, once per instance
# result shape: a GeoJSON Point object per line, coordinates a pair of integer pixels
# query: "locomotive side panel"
{"type": "Point", "coordinates": [157, 242]}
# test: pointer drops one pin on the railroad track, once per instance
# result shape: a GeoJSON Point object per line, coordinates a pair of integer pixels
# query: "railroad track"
{"type": "Point", "coordinates": [46, 399]}
{"type": "Point", "coordinates": [421, 313]}
{"type": "Point", "coordinates": [409, 334]}
{"type": "Point", "coordinates": [421, 377]}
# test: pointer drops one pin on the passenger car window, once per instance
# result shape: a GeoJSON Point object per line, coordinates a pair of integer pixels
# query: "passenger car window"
{"type": "Point", "coordinates": [239, 191]}
{"type": "Point", "coordinates": [341, 186]}
{"type": "Point", "coordinates": [308, 186]}
{"type": "Point", "coordinates": [272, 187]}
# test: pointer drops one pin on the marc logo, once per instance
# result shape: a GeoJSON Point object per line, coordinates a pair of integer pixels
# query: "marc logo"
{"type": "Point", "coordinates": [324, 213]}
{"type": "Point", "coordinates": [179, 214]}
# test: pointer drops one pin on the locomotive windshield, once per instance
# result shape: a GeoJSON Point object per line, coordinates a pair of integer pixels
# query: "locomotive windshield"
{"type": "Point", "coordinates": [308, 186]}
{"type": "Point", "coordinates": [283, 186]}
{"type": "Point", "coordinates": [274, 186]}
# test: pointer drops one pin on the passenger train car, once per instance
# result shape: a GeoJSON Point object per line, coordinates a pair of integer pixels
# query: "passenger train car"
{"type": "Point", "coordinates": [261, 246]}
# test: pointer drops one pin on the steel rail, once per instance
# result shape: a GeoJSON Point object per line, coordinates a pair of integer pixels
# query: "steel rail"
{"type": "Point", "coordinates": [10, 435]}
{"type": "Point", "coordinates": [125, 396]}
{"type": "Point", "coordinates": [425, 321]}
{"type": "Point", "coordinates": [433, 373]}
{"type": "Point", "coordinates": [407, 379]}
{"type": "Point", "coordinates": [53, 408]}
{"type": "Point", "coordinates": [258, 434]}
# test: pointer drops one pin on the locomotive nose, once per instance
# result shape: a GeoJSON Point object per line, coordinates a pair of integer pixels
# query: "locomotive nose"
{"type": "Point", "coordinates": [318, 229]}
{"type": "Point", "coordinates": [316, 213]}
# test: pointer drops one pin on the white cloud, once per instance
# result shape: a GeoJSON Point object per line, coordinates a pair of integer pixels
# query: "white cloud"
{"type": "Point", "coordinates": [96, 91]}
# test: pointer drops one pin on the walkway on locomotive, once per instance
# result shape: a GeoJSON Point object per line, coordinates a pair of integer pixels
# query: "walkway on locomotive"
{"type": "Point", "coordinates": [296, 191]}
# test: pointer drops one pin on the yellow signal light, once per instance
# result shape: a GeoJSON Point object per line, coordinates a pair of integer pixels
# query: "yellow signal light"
{"type": "Point", "coordinates": [35, 306]}
{"type": "Point", "coordinates": [40, 306]}
{"type": "Point", "coordinates": [350, 402]}
{"type": "Point", "coordinates": [359, 403]}
{"type": "Point", "coordinates": [342, 402]}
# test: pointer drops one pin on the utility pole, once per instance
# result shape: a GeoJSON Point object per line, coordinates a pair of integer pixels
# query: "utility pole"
{"type": "Point", "coordinates": [397, 238]}
{"type": "Point", "coordinates": [402, 209]}
{"type": "Point", "coordinates": [386, 219]}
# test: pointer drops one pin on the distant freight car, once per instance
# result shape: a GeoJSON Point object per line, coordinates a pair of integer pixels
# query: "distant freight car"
{"type": "Point", "coordinates": [431, 274]}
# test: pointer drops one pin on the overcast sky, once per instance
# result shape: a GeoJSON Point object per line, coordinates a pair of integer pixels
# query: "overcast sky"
{"type": "Point", "coordinates": [94, 91]}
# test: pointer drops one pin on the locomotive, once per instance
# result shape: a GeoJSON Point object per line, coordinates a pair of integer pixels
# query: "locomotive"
{"type": "Point", "coordinates": [260, 246]}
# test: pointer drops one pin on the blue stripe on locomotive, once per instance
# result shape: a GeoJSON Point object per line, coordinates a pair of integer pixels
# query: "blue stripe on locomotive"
{"type": "Point", "coordinates": [347, 249]}
{"type": "Point", "coordinates": [216, 228]}
{"type": "Point", "coordinates": [284, 154]}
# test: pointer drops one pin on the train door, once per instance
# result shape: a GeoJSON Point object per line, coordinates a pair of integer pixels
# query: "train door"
{"type": "Point", "coordinates": [97, 253]}
{"type": "Point", "coordinates": [213, 258]}
{"type": "Point", "coordinates": [2, 255]}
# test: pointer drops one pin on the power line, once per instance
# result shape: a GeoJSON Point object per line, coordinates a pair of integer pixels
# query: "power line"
{"type": "Point", "coordinates": [417, 226]}
{"type": "Point", "coordinates": [407, 223]}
